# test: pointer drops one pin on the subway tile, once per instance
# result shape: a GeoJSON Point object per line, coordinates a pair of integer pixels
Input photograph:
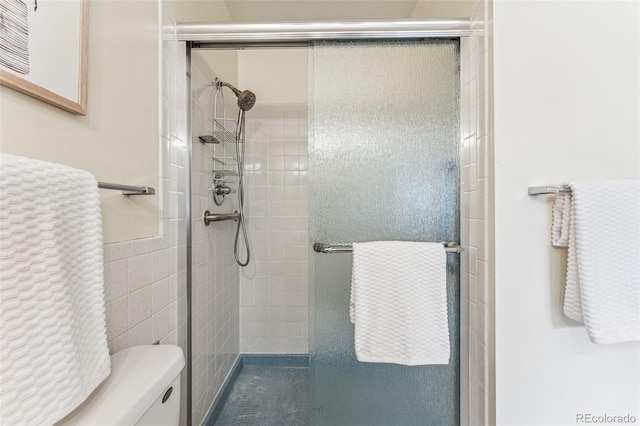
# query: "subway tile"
{"type": "Point", "coordinates": [119, 343]}
{"type": "Point", "coordinates": [472, 259]}
{"type": "Point", "coordinates": [482, 241]}
{"type": "Point", "coordinates": [291, 163]}
{"type": "Point", "coordinates": [473, 120]}
{"type": "Point", "coordinates": [473, 178]}
{"type": "Point", "coordinates": [291, 177]}
{"type": "Point", "coordinates": [277, 162]}
{"type": "Point", "coordinates": [303, 149]}
{"type": "Point", "coordinates": [472, 345]}
{"type": "Point", "coordinates": [473, 230]}
{"type": "Point", "coordinates": [160, 295]}
{"type": "Point", "coordinates": [290, 130]}
{"type": "Point", "coordinates": [472, 206]}
{"type": "Point", "coordinates": [116, 279]}
{"type": "Point", "coordinates": [482, 287]}
{"type": "Point", "coordinates": [473, 149]}
{"type": "Point", "coordinates": [303, 178]}
{"type": "Point", "coordinates": [303, 163]}
{"type": "Point", "coordinates": [465, 152]}
{"type": "Point", "coordinates": [473, 288]}
{"type": "Point", "coordinates": [290, 115]}
{"type": "Point", "coordinates": [141, 334]}
{"type": "Point", "coordinates": [117, 251]}
{"type": "Point", "coordinates": [117, 314]}
{"type": "Point", "coordinates": [139, 306]}
{"type": "Point", "coordinates": [140, 271]}
{"type": "Point", "coordinates": [473, 91]}
{"type": "Point", "coordinates": [291, 148]}
{"type": "Point", "coordinates": [161, 324]}
{"type": "Point", "coordinates": [161, 264]}
{"type": "Point", "coordinates": [482, 156]}
{"type": "Point", "coordinates": [481, 325]}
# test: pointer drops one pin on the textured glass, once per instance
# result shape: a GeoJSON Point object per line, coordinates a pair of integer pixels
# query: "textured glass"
{"type": "Point", "coordinates": [383, 166]}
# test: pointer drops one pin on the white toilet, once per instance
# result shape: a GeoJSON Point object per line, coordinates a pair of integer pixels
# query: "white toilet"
{"type": "Point", "coordinates": [143, 389]}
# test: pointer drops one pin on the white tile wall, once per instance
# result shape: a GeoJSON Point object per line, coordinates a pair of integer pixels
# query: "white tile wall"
{"type": "Point", "coordinates": [215, 279]}
{"type": "Point", "coordinates": [145, 278]}
{"type": "Point", "coordinates": [274, 287]}
{"type": "Point", "coordinates": [475, 225]}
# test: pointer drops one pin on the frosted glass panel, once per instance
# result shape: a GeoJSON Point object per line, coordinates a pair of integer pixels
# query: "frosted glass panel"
{"type": "Point", "coordinates": [384, 136]}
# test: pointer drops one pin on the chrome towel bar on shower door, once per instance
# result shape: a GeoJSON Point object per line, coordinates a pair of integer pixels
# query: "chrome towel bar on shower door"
{"type": "Point", "coordinates": [450, 247]}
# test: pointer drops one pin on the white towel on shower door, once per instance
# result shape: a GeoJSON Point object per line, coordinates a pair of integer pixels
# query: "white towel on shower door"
{"type": "Point", "coordinates": [603, 270]}
{"type": "Point", "coordinates": [399, 302]}
{"type": "Point", "coordinates": [53, 343]}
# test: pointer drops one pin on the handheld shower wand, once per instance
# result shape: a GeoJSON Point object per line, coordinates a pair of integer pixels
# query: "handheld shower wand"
{"type": "Point", "coordinates": [246, 98]}
{"type": "Point", "coordinates": [246, 101]}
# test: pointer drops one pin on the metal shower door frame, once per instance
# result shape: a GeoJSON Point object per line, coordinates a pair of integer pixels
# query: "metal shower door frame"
{"type": "Point", "coordinates": [288, 35]}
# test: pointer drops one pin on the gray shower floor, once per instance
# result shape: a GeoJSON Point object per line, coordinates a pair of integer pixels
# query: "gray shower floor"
{"type": "Point", "coordinates": [267, 396]}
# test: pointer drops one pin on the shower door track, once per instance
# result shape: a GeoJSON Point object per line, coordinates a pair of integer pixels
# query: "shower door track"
{"type": "Point", "coordinates": [240, 35]}
{"type": "Point", "coordinates": [283, 34]}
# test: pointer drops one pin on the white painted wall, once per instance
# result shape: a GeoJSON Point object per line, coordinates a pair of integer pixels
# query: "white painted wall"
{"type": "Point", "coordinates": [198, 10]}
{"type": "Point", "coordinates": [117, 140]}
{"type": "Point", "coordinates": [567, 107]}
{"type": "Point", "coordinates": [276, 76]}
{"type": "Point", "coordinates": [444, 8]}
{"type": "Point", "coordinates": [225, 64]}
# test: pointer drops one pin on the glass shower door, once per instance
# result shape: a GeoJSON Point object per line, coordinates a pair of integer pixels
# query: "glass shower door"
{"type": "Point", "coordinates": [384, 136]}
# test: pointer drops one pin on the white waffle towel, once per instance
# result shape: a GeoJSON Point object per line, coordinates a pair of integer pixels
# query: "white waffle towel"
{"type": "Point", "coordinates": [53, 344]}
{"type": "Point", "coordinates": [399, 302]}
{"type": "Point", "coordinates": [603, 268]}
{"type": "Point", "coordinates": [560, 220]}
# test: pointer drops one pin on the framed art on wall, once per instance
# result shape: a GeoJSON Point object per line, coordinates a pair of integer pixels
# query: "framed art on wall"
{"type": "Point", "coordinates": [43, 50]}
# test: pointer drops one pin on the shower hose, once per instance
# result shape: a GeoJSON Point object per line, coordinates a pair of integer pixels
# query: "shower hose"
{"type": "Point", "coordinates": [240, 151]}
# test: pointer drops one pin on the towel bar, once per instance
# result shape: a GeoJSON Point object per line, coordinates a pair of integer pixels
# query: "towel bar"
{"type": "Point", "coordinates": [541, 190]}
{"type": "Point", "coordinates": [127, 189]}
{"type": "Point", "coordinates": [450, 247]}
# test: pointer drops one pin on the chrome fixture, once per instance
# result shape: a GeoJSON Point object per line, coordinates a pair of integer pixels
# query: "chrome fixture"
{"type": "Point", "coordinates": [227, 166]}
{"type": "Point", "coordinates": [219, 189]}
{"type": "Point", "coordinates": [127, 189]}
{"type": "Point", "coordinates": [208, 217]}
{"type": "Point", "coordinates": [246, 98]}
{"type": "Point", "coordinates": [541, 190]}
{"type": "Point", "coordinates": [450, 247]}
{"type": "Point", "coordinates": [280, 33]}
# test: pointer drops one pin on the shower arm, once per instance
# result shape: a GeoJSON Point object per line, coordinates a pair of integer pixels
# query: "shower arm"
{"type": "Point", "coordinates": [246, 98]}
{"type": "Point", "coordinates": [220, 83]}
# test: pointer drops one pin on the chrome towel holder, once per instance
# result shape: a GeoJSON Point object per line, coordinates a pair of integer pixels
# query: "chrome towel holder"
{"type": "Point", "coordinates": [450, 247]}
{"type": "Point", "coordinates": [542, 190]}
{"type": "Point", "coordinates": [128, 189]}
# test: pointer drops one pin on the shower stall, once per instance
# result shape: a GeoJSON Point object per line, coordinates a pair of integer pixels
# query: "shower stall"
{"type": "Point", "coordinates": [372, 155]}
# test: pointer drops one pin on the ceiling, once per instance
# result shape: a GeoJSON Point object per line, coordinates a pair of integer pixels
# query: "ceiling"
{"type": "Point", "coordinates": [327, 10]}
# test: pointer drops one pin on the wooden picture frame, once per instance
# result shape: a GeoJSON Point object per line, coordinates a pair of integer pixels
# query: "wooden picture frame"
{"type": "Point", "coordinates": [45, 50]}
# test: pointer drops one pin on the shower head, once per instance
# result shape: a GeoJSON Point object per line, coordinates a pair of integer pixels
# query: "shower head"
{"type": "Point", "coordinates": [246, 98]}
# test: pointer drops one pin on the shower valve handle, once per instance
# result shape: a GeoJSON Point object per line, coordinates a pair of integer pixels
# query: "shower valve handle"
{"type": "Point", "coordinates": [223, 190]}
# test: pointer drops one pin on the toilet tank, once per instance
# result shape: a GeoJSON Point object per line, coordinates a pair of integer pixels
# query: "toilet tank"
{"type": "Point", "coordinates": [142, 389]}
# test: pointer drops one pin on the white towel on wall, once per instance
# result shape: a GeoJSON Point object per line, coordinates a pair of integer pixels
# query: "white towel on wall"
{"type": "Point", "coordinates": [53, 344]}
{"type": "Point", "coordinates": [399, 303]}
{"type": "Point", "coordinates": [603, 265]}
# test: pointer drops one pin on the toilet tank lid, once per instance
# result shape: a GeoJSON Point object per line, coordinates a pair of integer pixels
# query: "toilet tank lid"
{"type": "Point", "coordinates": [139, 375]}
